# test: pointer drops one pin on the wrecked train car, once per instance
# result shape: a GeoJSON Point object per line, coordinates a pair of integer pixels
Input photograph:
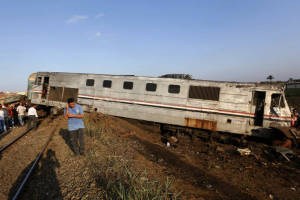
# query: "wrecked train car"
{"type": "Point", "coordinates": [241, 108]}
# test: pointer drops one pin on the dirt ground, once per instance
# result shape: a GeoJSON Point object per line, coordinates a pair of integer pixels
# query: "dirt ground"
{"type": "Point", "coordinates": [196, 168]}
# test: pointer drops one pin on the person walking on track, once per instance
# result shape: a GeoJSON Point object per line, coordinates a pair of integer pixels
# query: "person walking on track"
{"type": "Point", "coordinates": [74, 115]}
{"type": "Point", "coordinates": [2, 122]}
{"type": "Point", "coordinates": [32, 117]}
{"type": "Point", "coordinates": [21, 113]}
{"type": "Point", "coordinates": [6, 117]}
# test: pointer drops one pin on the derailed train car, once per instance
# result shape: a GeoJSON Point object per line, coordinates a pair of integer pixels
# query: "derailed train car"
{"type": "Point", "coordinates": [241, 108]}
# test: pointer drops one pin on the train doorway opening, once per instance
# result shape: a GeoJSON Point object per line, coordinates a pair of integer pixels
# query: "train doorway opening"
{"type": "Point", "coordinates": [259, 102]}
{"type": "Point", "coordinates": [45, 87]}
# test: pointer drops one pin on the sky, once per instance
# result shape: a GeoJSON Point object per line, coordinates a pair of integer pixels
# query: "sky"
{"type": "Point", "coordinates": [228, 40]}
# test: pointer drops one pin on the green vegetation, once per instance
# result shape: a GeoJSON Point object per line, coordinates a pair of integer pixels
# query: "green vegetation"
{"type": "Point", "coordinates": [93, 130]}
{"type": "Point", "coordinates": [130, 186]}
{"type": "Point", "coordinates": [113, 174]}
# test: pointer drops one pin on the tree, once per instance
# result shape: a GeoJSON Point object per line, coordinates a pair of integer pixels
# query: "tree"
{"type": "Point", "coordinates": [270, 78]}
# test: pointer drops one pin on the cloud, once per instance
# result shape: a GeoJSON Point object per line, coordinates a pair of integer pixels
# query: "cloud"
{"type": "Point", "coordinates": [76, 18]}
{"type": "Point", "coordinates": [98, 34]}
{"type": "Point", "coordinates": [99, 15]}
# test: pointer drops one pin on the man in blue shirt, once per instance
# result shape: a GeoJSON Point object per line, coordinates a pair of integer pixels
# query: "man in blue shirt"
{"type": "Point", "coordinates": [74, 115]}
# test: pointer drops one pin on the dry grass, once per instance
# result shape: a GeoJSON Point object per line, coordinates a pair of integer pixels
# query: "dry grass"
{"type": "Point", "coordinates": [113, 174]}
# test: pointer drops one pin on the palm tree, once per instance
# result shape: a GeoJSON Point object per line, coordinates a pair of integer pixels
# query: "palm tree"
{"type": "Point", "coordinates": [270, 78]}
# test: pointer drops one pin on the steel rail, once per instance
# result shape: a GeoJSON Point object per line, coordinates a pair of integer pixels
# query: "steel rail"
{"type": "Point", "coordinates": [33, 166]}
{"type": "Point", "coordinates": [14, 140]}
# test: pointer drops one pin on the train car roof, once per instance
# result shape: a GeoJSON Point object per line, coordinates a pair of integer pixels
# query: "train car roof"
{"type": "Point", "coordinates": [275, 86]}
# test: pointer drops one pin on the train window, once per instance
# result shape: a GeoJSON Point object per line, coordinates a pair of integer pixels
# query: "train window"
{"type": "Point", "coordinates": [38, 81]}
{"type": "Point", "coordinates": [151, 87]}
{"type": "Point", "coordinates": [127, 85]}
{"type": "Point", "coordinates": [107, 83]}
{"type": "Point", "coordinates": [277, 100]}
{"type": "Point", "coordinates": [175, 89]}
{"type": "Point", "coordinates": [205, 93]}
{"type": "Point", "coordinates": [90, 82]}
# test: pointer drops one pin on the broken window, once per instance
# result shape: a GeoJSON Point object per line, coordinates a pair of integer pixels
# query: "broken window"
{"type": "Point", "coordinates": [107, 83]}
{"type": "Point", "coordinates": [62, 94]}
{"type": "Point", "coordinates": [175, 89]}
{"type": "Point", "coordinates": [151, 87]}
{"type": "Point", "coordinates": [70, 93]}
{"type": "Point", "coordinates": [127, 85]}
{"type": "Point", "coordinates": [90, 82]}
{"type": "Point", "coordinates": [56, 94]}
{"type": "Point", "coordinates": [38, 81]}
{"type": "Point", "coordinates": [205, 93]}
{"type": "Point", "coordinates": [277, 101]}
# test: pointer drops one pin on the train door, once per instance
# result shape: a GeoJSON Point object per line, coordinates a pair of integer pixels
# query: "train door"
{"type": "Point", "coordinates": [258, 101]}
{"type": "Point", "coordinates": [45, 87]}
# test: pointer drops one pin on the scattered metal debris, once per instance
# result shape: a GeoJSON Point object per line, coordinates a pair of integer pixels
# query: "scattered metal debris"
{"type": "Point", "coordinates": [244, 152]}
{"type": "Point", "coordinates": [220, 149]}
{"type": "Point", "coordinates": [173, 139]}
{"type": "Point", "coordinates": [168, 144]}
{"type": "Point", "coordinates": [284, 151]}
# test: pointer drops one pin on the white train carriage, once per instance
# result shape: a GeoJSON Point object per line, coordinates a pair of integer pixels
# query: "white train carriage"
{"type": "Point", "coordinates": [241, 108]}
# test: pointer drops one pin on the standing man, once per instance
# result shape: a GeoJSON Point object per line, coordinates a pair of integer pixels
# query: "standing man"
{"type": "Point", "coordinates": [2, 123]}
{"type": "Point", "coordinates": [296, 117]}
{"type": "Point", "coordinates": [74, 115]}
{"type": "Point", "coordinates": [11, 121]}
{"type": "Point", "coordinates": [32, 117]}
{"type": "Point", "coordinates": [15, 116]}
{"type": "Point", "coordinates": [6, 116]}
{"type": "Point", "coordinates": [21, 113]}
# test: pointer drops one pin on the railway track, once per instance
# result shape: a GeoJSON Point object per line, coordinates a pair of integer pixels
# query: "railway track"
{"type": "Point", "coordinates": [14, 140]}
{"type": "Point", "coordinates": [3, 148]}
{"type": "Point", "coordinates": [36, 161]}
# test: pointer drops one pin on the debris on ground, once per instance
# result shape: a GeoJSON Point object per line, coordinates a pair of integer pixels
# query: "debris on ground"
{"type": "Point", "coordinates": [127, 134]}
{"type": "Point", "coordinates": [173, 139]}
{"type": "Point", "coordinates": [244, 152]}
{"type": "Point", "coordinates": [284, 152]}
{"type": "Point", "coordinates": [220, 149]}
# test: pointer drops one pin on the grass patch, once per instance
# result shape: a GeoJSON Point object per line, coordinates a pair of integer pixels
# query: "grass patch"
{"type": "Point", "coordinates": [92, 130]}
{"type": "Point", "coordinates": [121, 183]}
{"type": "Point", "coordinates": [130, 186]}
{"type": "Point", "coordinates": [114, 174]}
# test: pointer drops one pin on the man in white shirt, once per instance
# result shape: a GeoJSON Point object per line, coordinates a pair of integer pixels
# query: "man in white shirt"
{"type": "Point", "coordinates": [32, 117]}
{"type": "Point", "coordinates": [21, 113]}
{"type": "Point", "coordinates": [2, 124]}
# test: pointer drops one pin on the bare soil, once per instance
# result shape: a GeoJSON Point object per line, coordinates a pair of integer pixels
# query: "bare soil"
{"type": "Point", "coordinates": [199, 169]}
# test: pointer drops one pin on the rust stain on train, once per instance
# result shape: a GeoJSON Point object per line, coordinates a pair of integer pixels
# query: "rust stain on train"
{"type": "Point", "coordinates": [203, 124]}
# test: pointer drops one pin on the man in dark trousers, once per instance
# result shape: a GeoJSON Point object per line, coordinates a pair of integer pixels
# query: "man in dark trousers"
{"type": "Point", "coordinates": [74, 115]}
{"type": "Point", "coordinates": [15, 116]}
{"type": "Point", "coordinates": [6, 116]}
{"type": "Point", "coordinates": [32, 117]}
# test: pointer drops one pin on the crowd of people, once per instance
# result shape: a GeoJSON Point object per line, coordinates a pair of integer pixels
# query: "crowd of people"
{"type": "Point", "coordinates": [15, 115]}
